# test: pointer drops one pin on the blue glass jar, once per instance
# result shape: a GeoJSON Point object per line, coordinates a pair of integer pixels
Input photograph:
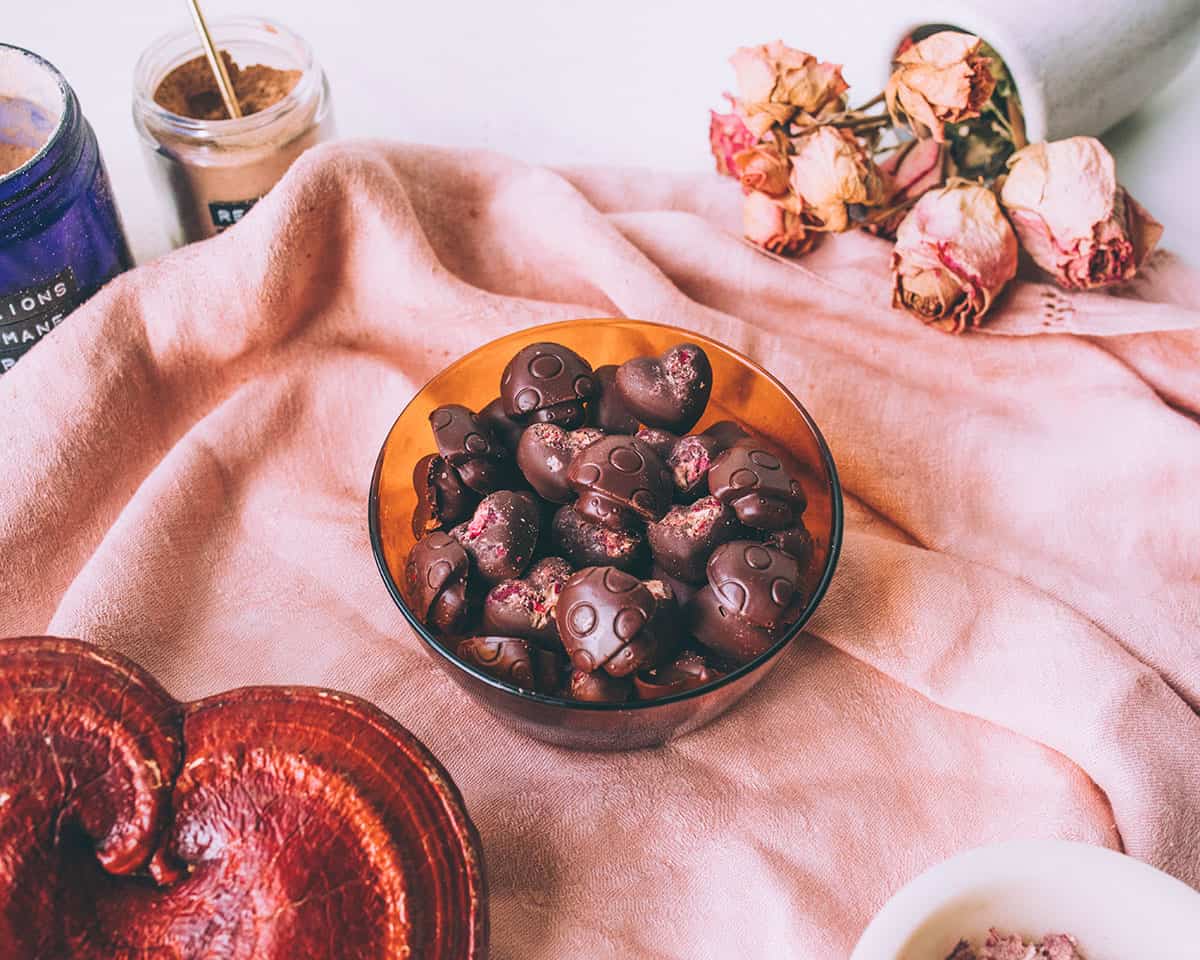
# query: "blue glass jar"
{"type": "Point", "coordinates": [60, 236]}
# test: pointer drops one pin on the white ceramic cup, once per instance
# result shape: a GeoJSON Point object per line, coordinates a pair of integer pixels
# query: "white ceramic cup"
{"type": "Point", "coordinates": [1117, 908]}
{"type": "Point", "coordinates": [1080, 66]}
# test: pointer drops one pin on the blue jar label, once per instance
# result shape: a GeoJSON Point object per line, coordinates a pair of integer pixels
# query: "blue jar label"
{"type": "Point", "coordinates": [228, 212]}
{"type": "Point", "coordinates": [32, 312]}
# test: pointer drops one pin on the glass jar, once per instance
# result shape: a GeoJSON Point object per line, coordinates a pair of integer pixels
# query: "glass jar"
{"type": "Point", "coordinates": [60, 236]}
{"type": "Point", "coordinates": [211, 172]}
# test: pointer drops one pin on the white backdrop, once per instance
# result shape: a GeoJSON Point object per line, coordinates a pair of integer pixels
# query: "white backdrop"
{"type": "Point", "coordinates": [560, 81]}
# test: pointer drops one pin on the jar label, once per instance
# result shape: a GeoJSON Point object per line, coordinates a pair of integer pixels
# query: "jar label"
{"type": "Point", "coordinates": [29, 314]}
{"type": "Point", "coordinates": [226, 213]}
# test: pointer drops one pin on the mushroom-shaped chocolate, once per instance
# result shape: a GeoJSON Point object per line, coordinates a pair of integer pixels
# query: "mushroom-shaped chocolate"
{"type": "Point", "coordinates": [502, 534]}
{"type": "Point", "coordinates": [469, 447]}
{"type": "Point", "coordinates": [620, 481]}
{"type": "Point", "coordinates": [513, 660]}
{"type": "Point", "coordinates": [442, 498]}
{"type": "Point", "coordinates": [264, 822]}
{"type": "Point", "coordinates": [669, 391]}
{"type": "Point", "coordinates": [435, 581]}
{"type": "Point", "coordinates": [588, 544]}
{"type": "Point", "coordinates": [547, 383]}
{"type": "Point", "coordinates": [525, 608]}
{"type": "Point", "coordinates": [753, 481]}
{"type": "Point", "coordinates": [546, 451]}
{"type": "Point", "coordinates": [602, 616]}
{"type": "Point", "coordinates": [754, 580]}
{"type": "Point", "coordinates": [607, 411]}
{"type": "Point", "coordinates": [723, 632]}
{"type": "Point", "coordinates": [503, 427]}
{"type": "Point", "coordinates": [598, 687]}
{"type": "Point", "coordinates": [682, 541]}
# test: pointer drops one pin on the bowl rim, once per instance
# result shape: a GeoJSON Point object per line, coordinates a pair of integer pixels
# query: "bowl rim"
{"type": "Point", "coordinates": [430, 641]}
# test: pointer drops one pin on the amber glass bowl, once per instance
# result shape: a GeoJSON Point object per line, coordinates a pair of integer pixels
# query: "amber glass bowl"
{"type": "Point", "coordinates": [742, 391]}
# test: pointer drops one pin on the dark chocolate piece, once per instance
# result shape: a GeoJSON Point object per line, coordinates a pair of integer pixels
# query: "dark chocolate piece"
{"type": "Point", "coordinates": [505, 658]}
{"type": "Point", "coordinates": [547, 383]}
{"type": "Point", "coordinates": [598, 687]}
{"type": "Point", "coordinates": [661, 442]}
{"type": "Point", "coordinates": [682, 540]}
{"type": "Point", "coordinates": [469, 447]}
{"type": "Point", "coordinates": [620, 481]}
{"type": "Point", "coordinates": [588, 544]}
{"type": "Point", "coordinates": [795, 541]}
{"type": "Point", "coordinates": [442, 499]}
{"type": "Point", "coordinates": [690, 671]}
{"type": "Point", "coordinates": [525, 608]}
{"type": "Point", "coordinates": [666, 626]}
{"type": "Point", "coordinates": [435, 581]}
{"type": "Point", "coordinates": [670, 391]}
{"type": "Point", "coordinates": [503, 427]}
{"type": "Point", "coordinates": [754, 482]}
{"type": "Point", "coordinates": [681, 588]}
{"type": "Point", "coordinates": [689, 462]}
{"type": "Point", "coordinates": [546, 451]}
{"type": "Point", "coordinates": [601, 614]}
{"type": "Point", "coordinates": [607, 410]}
{"type": "Point", "coordinates": [726, 433]}
{"type": "Point", "coordinates": [502, 534]}
{"type": "Point", "coordinates": [723, 632]}
{"type": "Point", "coordinates": [754, 580]}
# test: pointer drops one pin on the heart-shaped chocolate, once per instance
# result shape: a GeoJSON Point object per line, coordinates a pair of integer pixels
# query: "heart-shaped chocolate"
{"type": "Point", "coordinates": [546, 451]}
{"type": "Point", "coordinates": [266, 822]}
{"type": "Point", "coordinates": [670, 391]}
{"type": "Point", "coordinates": [682, 541]}
{"type": "Point", "coordinates": [502, 534]}
{"type": "Point", "coordinates": [525, 608]}
{"type": "Point", "coordinates": [607, 411]}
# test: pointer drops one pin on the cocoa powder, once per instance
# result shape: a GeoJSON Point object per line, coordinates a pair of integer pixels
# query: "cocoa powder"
{"type": "Point", "coordinates": [190, 90]}
{"type": "Point", "coordinates": [13, 155]}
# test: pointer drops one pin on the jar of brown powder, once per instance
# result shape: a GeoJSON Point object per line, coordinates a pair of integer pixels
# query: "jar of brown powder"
{"type": "Point", "coordinates": [212, 169]}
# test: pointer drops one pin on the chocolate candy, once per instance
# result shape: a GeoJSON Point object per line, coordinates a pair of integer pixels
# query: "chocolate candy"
{"type": "Point", "coordinates": [442, 499]}
{"type": "Point", "coordinates": [435, 581]}
{"type": "Point", "coordinates": [510, 659]}
{"type": "Point", "coordinates": [754, 581]}
{"type": "Point", "coordinates": [598, 687]}
{"type": "Point", "coordinates": [723, 632]}
{"type": "Point", "coordinates": [588, 544]}
{"type": "Point", "coordinates": [682, 590]}
{"type": "Point", "coordinates": [795, 542]}
{"type": "Point", "coordinates": [502, 534]}
{"type": "Point", "coordinates": [726, 433]}
{"type": "Point", "coordinates": [469, 447]}
{"type": "Point", "coordinates": [670, 391]}
{"type": "Point", "coordinates": [545, 452]}
{"type": "Point", "coordinates": [525, 608]}
{"type": "Point", "coordinates": [547, 383]}
{"type": "Point", "coordinates": [607, 411]}
{"type": "Point", "coordinates": [689, 671]}
{"type": "Point", "coordinates": [661, 442]}
{"type": "Point", "coordinates": [666, 626]}
{"type": "Point", "coordinates": [682, 540]}
{"type": "Point", "coordinates": [620, 481]}
{"type": "Point", "coordinates": [601, 614]}
{"type": "Point", "coordinates": [503, 427]}
{"type": "Point", "coordinates": [689, 461]}
{"type": "Point", "coordinates": [754, 482]}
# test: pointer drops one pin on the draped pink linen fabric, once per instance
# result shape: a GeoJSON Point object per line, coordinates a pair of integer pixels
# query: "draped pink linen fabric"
{"type": "Point", "coordinates": [1010, 647]}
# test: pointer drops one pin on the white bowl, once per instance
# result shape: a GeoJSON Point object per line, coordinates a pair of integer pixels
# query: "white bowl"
{"type": "Point", "coordinates": [1117, 908]}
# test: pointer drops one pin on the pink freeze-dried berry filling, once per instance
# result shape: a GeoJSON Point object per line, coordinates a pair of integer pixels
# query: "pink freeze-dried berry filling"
{"type": "Point", "coordinates": [689, 462]}
{"type": "Point", "coordinates": [695, 520]}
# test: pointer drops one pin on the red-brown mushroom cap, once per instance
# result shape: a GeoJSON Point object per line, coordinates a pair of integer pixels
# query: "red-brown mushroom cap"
{"type": "Point", "coordinates": [266, 823]}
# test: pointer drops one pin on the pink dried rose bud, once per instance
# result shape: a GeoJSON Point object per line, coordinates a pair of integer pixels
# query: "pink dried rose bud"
{"type": "Point", "coordinates": [773, 227]}
{"type": "Point", "coordinates": [831, 169]}
{"type": "Point", "coordinates": [764, 168]}
{"type": "Point", "coordinates": [943, 79]}
{"type": "Point", "coordinates": [1073, 218]}
{"type": "Point", "coordinates": [777, 84]}
{"type": "Point", "coordinates": [909, 172]}
{"type": "Point", "coordinates": [954, 253]}
{"type": "Point", "coordinates": [727, 137]}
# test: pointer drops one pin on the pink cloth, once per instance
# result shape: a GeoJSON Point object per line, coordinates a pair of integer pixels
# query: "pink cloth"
{"type": "Point", "coordinates": [1010, 648]}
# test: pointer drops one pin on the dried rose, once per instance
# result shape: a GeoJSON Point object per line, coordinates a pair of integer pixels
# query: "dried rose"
{"type": "Point", "coordinates": [774, 227]}
{"type": "Point", "coordinates": [954, 253]}
{"type": "Point", "coordinates": [910, 171]}
{"type": "Point", "coordinates": [1073, 217]}
{"type": "Point", "coordinates": [727, 137]}
{"type": "Point", "coordinates": [831, 169]}
{"type": "Point", "coordinates": [943, 79]}
{"type": "Point", "coordinates": [765, 169]}
{"type": "Point", "coordinates": [777, 84]}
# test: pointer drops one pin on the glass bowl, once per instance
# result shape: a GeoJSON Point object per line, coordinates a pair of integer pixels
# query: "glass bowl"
{"type": "Point", "coordinates": [742, 391]}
